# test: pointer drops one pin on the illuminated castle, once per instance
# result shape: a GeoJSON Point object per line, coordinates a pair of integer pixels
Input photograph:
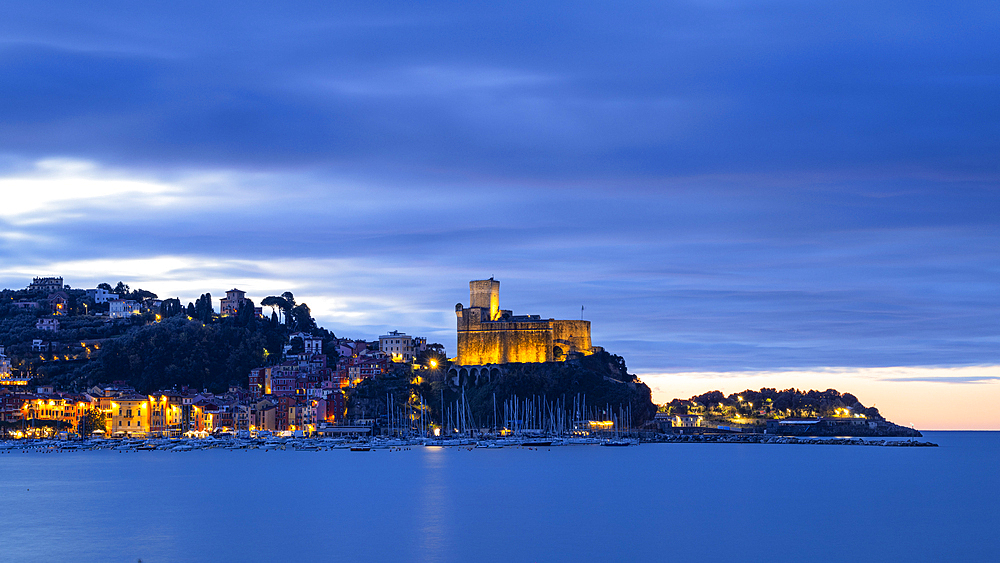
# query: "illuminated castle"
{"type": "Point", "coordinates": [488, 335]}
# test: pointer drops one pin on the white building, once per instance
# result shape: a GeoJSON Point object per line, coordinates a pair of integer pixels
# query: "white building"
{"type": "Point", "coordinates": [101, 295]}
{"type": "Point", "coordinates": [7, 376]}
{"type": "Point", "coordinates": [121, 308]}
{"type": "Point", "coordinates": [401, 347]}
{"type": "Point", "coordinates": [310, 344]}
{"type": "Point", "coordinates": [47, 324]}
{"type": "Point", "coordinates": [4, 364]}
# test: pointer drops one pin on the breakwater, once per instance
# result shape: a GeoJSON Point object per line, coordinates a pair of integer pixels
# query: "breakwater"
{"type": "Point", "coordinates": [766, 439]}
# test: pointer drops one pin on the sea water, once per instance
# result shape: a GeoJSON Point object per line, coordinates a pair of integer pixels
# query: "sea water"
{"type": "Point", "coordinates": [654, 502]}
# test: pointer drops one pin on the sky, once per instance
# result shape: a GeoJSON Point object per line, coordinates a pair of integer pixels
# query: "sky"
{"type": "Point", "coordinates": [739, 194]}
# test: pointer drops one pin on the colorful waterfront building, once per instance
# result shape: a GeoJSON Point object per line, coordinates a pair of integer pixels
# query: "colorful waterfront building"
{"type": "Point", "coordinates": [66, 410]}
{"type": "Point", "coordinates": [166, 414]}
{"type": "Point", "coordinates": [129, 415]}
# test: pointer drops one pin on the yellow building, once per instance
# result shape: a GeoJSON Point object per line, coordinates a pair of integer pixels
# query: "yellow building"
{"type": "Point", "coordinates": [55, 409]}
{"type": "Point", "coordinates": [165, 415]}
{"type": "Point", "coordinates": [201, 419]}
{"type": "Point", "coordinates": [489, 335]}
{"type": "Point", "coordinates": [129, 415]}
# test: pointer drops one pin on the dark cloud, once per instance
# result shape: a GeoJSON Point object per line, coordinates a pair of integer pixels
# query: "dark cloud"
{"type": "Point", "coordinates": [724, 186]}
{"type": "Point", "coordinates": [570, 92]}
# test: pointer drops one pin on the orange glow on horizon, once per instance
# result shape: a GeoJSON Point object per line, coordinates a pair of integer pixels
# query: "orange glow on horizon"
{"type": "Point", "coordinates": [925, 397]}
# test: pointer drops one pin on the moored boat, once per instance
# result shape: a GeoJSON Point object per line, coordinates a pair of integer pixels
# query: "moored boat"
{"type": "Point", "coordinates": [537, 443]}
{"type": "Point", "coordinates": [617, 443]}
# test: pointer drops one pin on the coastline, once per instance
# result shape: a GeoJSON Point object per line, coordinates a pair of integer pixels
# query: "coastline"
{"type": "Point", "coordinates": [328, 444]}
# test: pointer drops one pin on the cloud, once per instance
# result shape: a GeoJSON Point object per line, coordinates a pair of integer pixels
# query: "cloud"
{"type": "Point", "coordinates": [723, 188]}
{"type": "Point", "coordinates": [683, 280]}
{"type": "Point", "coordinates": [434, 81]}
{"type": "Point", "coordinates": [631, 92]}
{"type": "Point", "coordinates": [59, 187]}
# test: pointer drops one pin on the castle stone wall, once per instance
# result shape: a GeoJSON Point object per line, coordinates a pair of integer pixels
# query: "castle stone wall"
{"type": "Point", "coordinates": [572, 336]}
{"type": "Point", "coordinates": [502, 346]}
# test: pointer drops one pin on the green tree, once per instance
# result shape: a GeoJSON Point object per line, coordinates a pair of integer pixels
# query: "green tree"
{"type": "Point", "coordinates": [203, 308]}
{"type": "Point", "coordinates": [141, 295]}
{"type": "Point", "coordinates": [171, 307]}
{"type": "Point", "coordinates": [95, 419]}
{"type": "Point", "coordinates": [245, 316]}
{"type": "Point", "coordinates": [274, 302]}
{"type": "Point", "coordinates": [289, 306]}
{"type": "Point", "coordinates": [302, 318]}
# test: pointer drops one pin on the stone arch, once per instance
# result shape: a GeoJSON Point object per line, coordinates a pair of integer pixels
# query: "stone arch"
{"type": "Point", "coordinates": [558, 354]}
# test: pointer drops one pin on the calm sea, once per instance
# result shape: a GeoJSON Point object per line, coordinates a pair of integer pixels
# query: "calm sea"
{"type": "Point", "coordinates": [655, 502]}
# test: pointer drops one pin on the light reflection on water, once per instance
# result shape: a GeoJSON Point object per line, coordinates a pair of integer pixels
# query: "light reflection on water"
{"type": "Point", "coordinates": [576, 503]}
{"type": "Point", "coordinates": [433, 496]}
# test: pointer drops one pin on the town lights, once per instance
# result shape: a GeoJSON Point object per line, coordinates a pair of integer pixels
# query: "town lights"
{"type": "Point", "coordinates": [434, 364]}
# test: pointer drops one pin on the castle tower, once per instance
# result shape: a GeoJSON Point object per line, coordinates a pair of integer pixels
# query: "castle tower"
{"type": "Point", "coordinates": [485, 294]}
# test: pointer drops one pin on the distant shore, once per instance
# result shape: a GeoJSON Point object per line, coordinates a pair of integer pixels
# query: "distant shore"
{"type": "Point", "coordinates": [769, 439]}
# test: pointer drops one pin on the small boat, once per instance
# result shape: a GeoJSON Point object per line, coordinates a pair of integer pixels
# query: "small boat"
{"type": "Point", "coordinates": [452, 442]}
{"type": "Point", "coordinates": [361, 448]}
{"type": "Point", "coordinates": [537, 443]}
{"type": "Point", "coordinates": [617, 443]}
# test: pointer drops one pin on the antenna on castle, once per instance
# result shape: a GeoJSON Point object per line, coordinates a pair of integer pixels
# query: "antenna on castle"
{"type": "Point", "coordinates": [581, 312]}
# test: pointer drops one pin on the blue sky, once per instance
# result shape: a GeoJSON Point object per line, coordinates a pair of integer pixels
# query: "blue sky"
{"type": "Point", "coordinates": [725, 186]}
